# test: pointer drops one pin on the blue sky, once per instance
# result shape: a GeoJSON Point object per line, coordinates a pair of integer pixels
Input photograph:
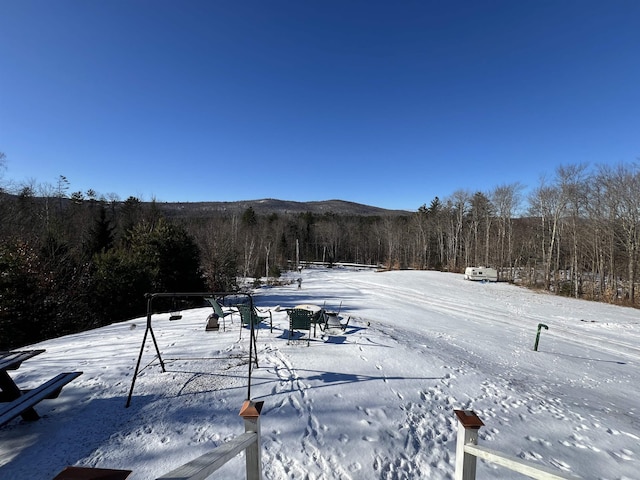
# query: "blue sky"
{"type": "Point", "coordinates": [383, 103]}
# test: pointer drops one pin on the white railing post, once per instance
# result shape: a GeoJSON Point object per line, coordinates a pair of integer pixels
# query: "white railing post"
{"type": "Point", "coordinates": [468, 426]}
{"type": "Point", "coordinates": [250, 412]}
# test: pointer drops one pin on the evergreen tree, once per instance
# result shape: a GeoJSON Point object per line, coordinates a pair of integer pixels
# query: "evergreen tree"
{"type": "Point", "coordinates": [100, 234]}
{"type": "Point", "coordinates": [159, 259]}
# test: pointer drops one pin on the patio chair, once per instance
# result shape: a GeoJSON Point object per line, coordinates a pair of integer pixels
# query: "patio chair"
{"type": "Point", "coordinates": [300, 319]}
{"type": "Point", "coordinates": [317, 315]}
{"type": "Point", "coordinates": [217, 309]}
{"type": "Point", "coordinates": [249, 315]}
{"type": "Point", "coordinates": [333, 320]}
{"type": "Point", "coordinates": [318, 318]}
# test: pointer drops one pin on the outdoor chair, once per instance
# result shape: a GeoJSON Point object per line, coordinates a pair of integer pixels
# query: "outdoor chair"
{"type": "Point", "coordinates": [217, 309]}
{"type": "Point", "coordinates": [251, 315]}
{"type": "Point", "coordinates": [333, 320]}
{"type": "Point", "coordinates": [318, 318]}
{"type": "Point", "coordinates": [300, 319]}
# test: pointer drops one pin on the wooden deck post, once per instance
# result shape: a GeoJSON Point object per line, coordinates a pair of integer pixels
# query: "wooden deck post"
{"type": "Point", "coordinates": [250, 412]}
{"type": "Point", "coordinates": [468, 425]}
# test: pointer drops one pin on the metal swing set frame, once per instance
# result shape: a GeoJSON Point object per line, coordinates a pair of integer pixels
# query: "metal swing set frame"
{"type": "Point", "coordinates": [150, 297]}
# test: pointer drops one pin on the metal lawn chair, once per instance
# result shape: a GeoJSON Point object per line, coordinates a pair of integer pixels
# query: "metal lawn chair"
{"type": "Point", "coordinates": [299, 319]}
{"type": "Point", "coordinates": [250, 314]}
{"type": "Point", "coordinates": [217, 309]}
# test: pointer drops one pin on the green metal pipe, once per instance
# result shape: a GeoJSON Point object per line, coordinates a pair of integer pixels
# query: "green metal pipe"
{"type": "Point", "coordinates": [540, 327]}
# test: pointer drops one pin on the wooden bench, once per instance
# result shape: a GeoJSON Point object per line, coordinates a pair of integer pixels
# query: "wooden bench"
{"type": "Point", "coordinates": [13, 360]}
{"type": "Point", "coordinates": [90, 473]}
{"type": "Point", "coordinates": [26, 402]}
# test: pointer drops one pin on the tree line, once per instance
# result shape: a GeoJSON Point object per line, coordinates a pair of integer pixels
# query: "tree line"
{"type": "Point", "coordinates": [71, 261]}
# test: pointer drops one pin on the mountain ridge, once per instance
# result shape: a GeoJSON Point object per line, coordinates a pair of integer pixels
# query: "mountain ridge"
{"type": "Point", "coordinates": [263, 206]}
{"type": "Point", "coordinates": [273, 205]}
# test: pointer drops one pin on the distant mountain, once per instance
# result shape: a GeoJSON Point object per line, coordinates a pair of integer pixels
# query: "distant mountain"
{"type": "Point", "coordinates": [262, 207]}
{"type": "Point", "coordinates": [270, 205]}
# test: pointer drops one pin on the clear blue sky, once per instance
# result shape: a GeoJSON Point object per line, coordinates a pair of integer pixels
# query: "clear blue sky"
{"type": "Point", "coordinates": [383, 103]}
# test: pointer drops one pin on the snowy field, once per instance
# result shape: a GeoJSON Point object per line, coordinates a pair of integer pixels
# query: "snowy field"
{"type": "Point", "coordinates": [373, 402]}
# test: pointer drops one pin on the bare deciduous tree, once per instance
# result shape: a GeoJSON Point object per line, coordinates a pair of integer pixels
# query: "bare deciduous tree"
{"type": "Point", "coordinates": [506, 200]}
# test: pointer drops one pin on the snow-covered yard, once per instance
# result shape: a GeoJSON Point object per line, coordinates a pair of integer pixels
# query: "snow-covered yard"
{"type": "Point", "coordinates": [374, 401]}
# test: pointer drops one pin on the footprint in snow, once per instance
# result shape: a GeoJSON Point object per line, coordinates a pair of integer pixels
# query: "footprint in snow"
{"type": "Point", "coordinates": [560, 464]}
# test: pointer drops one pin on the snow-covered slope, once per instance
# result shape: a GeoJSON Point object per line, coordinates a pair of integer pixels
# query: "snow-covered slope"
{"type": "Point", "coordinates": [374, 401]}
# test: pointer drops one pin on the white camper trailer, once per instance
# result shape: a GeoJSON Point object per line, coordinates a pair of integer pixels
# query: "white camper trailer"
{"type": "Point", "coordinates": [481, 273]}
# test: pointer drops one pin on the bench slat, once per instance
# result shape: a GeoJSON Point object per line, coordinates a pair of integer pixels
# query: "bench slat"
{"type": "Point", "coordinates": [12, 360]}
{"type": "Point", "coordinates": [4, 397]}
{"type": "Point", "coordinates": [16, 407]}
{"type": "Point", "coordinates": [90, 473]}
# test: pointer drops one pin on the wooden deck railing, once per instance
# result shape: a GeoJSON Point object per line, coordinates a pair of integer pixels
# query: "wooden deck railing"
{"type": "Point", "coordinates": [206, 465]}
{"type": "Point", "coordinates": [467, 450]}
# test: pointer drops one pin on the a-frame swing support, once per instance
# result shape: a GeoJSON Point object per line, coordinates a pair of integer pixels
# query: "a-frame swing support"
{"type": "Point", "coordinates": [253, 355]}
